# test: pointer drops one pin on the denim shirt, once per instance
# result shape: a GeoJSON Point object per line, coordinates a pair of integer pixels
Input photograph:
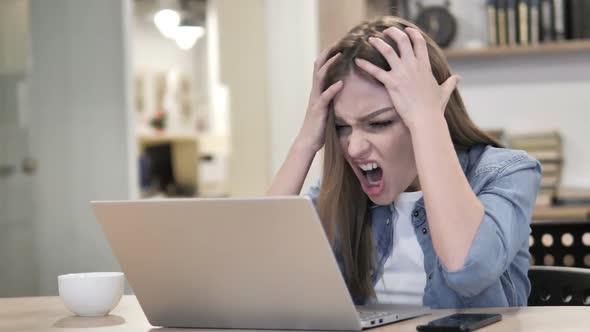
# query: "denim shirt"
{"type": "Point", "coordinates": [494, 273]}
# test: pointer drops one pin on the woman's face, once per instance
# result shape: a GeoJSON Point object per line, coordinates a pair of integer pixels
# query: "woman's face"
{"type": "Point", "coordinates": [375, 141]}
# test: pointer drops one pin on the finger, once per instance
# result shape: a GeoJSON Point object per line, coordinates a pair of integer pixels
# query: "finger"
{"type": "Point", "coordinates": [316, 83]}
{"type": "Point", "coordinates": [320, 62]}
{"type": "Point", "coordinates": [386, 50]}
{"type": "Point", "coordinates": [324, 68]}
{"type": "Point", "coordinates": [448, 87]}
{"type": "Point", "coordinates": [420, 48]}
{"type": "Point", "coordinates": [321, 59]}
{"type": "Point", "coordinates": [403, 42]}
{"type": "Point", "coordinates": [378, 73]}
{"type": "Point", "coordinates": [329, 94]}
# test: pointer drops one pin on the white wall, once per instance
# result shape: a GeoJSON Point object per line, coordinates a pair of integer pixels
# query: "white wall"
{"type": "Point", "coordinates": [80, 124]}
{"type": "Point", "coordinates": [219, 98]}
{"type": "Point", "coordinates": [534, 93]}
{"type": "Point", "coordinates": [18, 261]}
{"type": "Point", "coordinates": [290, 68]}
{"type": "Point", "coordinates": [243, 71]}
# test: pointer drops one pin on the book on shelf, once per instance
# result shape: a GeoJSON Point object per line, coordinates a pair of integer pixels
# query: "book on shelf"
{"type": "Point", "coordinates": [536, 140]}
{"type": "Point", "coordinates": [586, 31]}
{"type": "Point", "coordinates": [511, 21]}
{"type": "Point", "coordinates": [530, 22]}
{"type": "Point", "coordinates": [534, 22]}
{"type": "Point", "coordinates": [536, 144]}
{"type": "Point", "coordinates": [550, 181]}
{"type": "Point", "coordinates": [561, 213]}
{"type": "Point", "coordinates": [492, 22]}
{"type": "Point", "coordinates": [578, 16]}
{"type": "Point", "coordinates": [523, 22]}
{"type": "Point", "coordinates": [551, 167]}
{"type": "Point", "coordinates": [559, 19]}
{"type": "Point", "coordinates": [572, 196]}
{"type": "Point", "coordinates": [547, 24]}
{"type": "Point", "coordinates": [545, 146]}
{"type": "Point", "coordinates": [545, 197]}
{"type": "Point", "coordinates": [546, 155]}
{"type": "Point", "coordinates": [501, 12]}
{"type": "Point", "coordinates": [537, 134]}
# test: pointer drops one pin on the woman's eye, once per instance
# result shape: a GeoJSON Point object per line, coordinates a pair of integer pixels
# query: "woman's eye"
{"type": "Point", "coordinates": [342, 129]}
{"type": "Point", "coordinates": [380, 124]}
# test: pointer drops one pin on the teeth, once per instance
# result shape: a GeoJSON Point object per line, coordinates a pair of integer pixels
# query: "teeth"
{"type": "Point", "coordinates": [373, 183]}
{"type": "Point", "coordinates": [369, 166]}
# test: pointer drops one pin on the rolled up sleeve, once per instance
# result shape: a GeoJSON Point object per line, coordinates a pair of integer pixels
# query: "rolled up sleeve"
{"type": "Point", "coordinates": [313, 193]}
{"type": "Point", "coordinates": [508, 200]}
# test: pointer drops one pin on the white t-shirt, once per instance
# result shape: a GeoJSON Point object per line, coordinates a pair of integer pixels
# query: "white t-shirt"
{"type": "Point", "coordinates": [404, 277]}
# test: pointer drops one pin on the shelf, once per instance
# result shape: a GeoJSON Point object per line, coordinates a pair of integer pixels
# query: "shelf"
{"type": "Point", "coordinates": [569, 46]}
{"type": "Point", "coordinates": [559, 214]}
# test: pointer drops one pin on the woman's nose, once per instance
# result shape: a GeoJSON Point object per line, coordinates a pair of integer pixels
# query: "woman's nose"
{"type": "Point", "coordinates": [358, 146]}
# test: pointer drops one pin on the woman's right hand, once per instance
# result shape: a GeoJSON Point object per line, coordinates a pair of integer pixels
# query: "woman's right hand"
{"type": "Point", "coordinates": [312, 132]}
{"type": "Point", "coordinates": [311, 137]}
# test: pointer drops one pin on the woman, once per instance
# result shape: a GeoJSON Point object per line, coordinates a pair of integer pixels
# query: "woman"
{"type": "Point", "coordinates": [420, 205]}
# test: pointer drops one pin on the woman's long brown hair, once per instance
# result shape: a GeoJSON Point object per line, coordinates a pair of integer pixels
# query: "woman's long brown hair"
{"type": "Point", "coordinates": [343, 206]}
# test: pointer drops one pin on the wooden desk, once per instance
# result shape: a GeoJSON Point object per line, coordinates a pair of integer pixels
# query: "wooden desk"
{"type": "Point", "coordinates": [49, 314]}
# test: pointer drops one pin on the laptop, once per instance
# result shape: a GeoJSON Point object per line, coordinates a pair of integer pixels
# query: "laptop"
{"type": "Point", "coordinates": [247, 263]}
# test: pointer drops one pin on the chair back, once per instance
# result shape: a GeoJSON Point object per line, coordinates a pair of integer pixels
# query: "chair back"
{"type": "Point", "coordinates": [559, 286]}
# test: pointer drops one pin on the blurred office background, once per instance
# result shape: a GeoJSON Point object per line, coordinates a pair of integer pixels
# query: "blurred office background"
{"type": "Point", "coordinates": [146, 99]}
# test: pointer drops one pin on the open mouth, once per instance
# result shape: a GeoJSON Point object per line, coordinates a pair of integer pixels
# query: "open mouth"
{"type": "Point", "coordinates": [372, 173]}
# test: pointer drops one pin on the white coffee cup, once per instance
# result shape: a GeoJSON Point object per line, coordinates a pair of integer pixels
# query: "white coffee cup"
{"type": "Point", "coordinates": [91, 294]}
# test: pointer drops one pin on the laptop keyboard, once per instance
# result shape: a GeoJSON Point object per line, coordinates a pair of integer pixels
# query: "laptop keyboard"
{"type": "Point", "coordinates": [371, 315]}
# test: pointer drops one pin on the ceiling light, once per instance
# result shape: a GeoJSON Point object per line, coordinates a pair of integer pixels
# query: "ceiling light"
{"type": "Point", "coordinates": [187, 35]}
{"type": "Point", "coordinates": [167, 21]}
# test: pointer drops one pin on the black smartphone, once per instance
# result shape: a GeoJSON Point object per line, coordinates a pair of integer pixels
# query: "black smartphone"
{"type": "Point", "coordinates": [459, 323]}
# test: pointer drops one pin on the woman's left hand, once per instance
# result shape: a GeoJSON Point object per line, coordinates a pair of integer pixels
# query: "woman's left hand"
{"type": "Point", "coordinates": [415, 93]}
